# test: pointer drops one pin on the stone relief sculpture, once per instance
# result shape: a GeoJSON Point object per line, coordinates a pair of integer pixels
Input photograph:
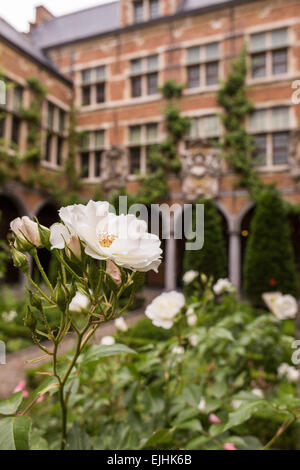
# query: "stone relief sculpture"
{"type": "Point", "coordinates": [114, 168]}
{"type": "Point", "coordinates": [201, 171]}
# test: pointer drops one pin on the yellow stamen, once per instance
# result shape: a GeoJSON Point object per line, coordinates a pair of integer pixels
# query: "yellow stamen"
{"type": "Point", "coordinates": [105, 239]}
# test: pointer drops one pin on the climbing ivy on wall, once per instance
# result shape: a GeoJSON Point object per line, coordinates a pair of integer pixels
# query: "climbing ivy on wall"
{"type": "Point", "coordinates": [164, 158]}
{"type": "Point", "coordinates": [11, 161]}
{"type": "Point", "coordinates": [237, 145]}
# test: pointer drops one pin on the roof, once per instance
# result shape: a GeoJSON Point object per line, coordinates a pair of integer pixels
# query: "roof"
{"type": "Point", "coordinates": [78, 25]}
{"type": "Point", "coordinates": [27, 45]}
{"type": "Point", "coordinates": [102, 19]}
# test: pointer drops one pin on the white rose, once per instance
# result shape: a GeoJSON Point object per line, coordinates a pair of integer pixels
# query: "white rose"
{"type": "Point", "coordinates": [107, 341]}
{"type": "Point", "coordinates": [292, 374]}
{"type": "Point", "coordinates": [121, 324]}
{"type": "Point", "coordinates": [202, 405]}
{"type": "Point", "coordinates": [222, 286]}
{"type": "Point", "coordinates": [189, 276]}
{"type": "Point", "coordinates": [236, 404]}
{"type": "Point", "coordinates": [8, 317]}
{"type": "Point", "coordinates": [123, 239]}
{"type": "Point", "coordinates": [284, 306]}
{"type": "Point", "coordinates": [25, 229]}
{"type": "Point", "coordinates": [178, 350]}
{"type": "Point", "coordinates": [164, 308]}
{"type": "Point", "coordinates": [79, 302]}
{"type": "Point", "coordinates": [191, 317]}
{"type": "Point", "coordinates": [282, 369]}
{"type": "Point", "coordinates": [258, 392]}
{"type": "Point", "coordinates": [193, 340]}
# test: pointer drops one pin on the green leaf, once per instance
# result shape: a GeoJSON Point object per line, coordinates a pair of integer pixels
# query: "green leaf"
{"type": "Point", "coordinates": [221, 333]}
{"type": "Point", "coordinates": [244, 413]}
{"type": "Point", "coordinates": [95, 353]}
{"type": "Point", "coordinates": [219, 389]}
{"type": "Point", "coordinates": [162, 436]}
{"type": "Point", "coordinates": [184, 415]}
{"type": "Point", "coordinates": [78, 439]}
{"type": "Point", "coordinates": [191, 425]}
{"type": "Point", "coordinates": [15, 433]}
{"type": "Point", "coordinates": [11, 404]}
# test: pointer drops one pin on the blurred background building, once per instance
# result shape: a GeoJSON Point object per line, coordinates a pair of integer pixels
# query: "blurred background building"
{"type": "Point", "coordinates": [108, 62]}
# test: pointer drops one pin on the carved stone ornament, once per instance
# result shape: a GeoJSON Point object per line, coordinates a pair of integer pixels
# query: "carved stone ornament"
{"type": "Point", "coordinates": [201, 171]}
{"type": "Point", "coordinates": [114, 168]}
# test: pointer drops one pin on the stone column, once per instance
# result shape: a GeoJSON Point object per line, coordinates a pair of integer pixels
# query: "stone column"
{"type": "Point", "coordinates": [170, 264]}
{"type": "Point", "coordinates": [235, 259]}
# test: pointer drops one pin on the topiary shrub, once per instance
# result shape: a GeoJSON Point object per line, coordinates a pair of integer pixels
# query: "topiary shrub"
{"type": "Point", "coordinates": [269, 259]}
{"type": "Point", "coordinates": [212, 258]}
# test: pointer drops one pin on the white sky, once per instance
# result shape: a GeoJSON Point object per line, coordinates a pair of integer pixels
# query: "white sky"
{"type": "Point", "coordinates": [20, 12]}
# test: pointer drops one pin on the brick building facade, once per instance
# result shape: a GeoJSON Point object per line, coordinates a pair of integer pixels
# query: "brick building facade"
{"type": "Point", "coordinates": [110, 61]}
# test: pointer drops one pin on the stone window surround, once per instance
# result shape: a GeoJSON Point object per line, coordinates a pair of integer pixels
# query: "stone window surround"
{"type": "Point", "coordinates": [143, 144]}
{"type": "Point", "coordinates": [91, 150]}
{"type": "Point", "coordinates": [201, 63]}
{"type": "Point", "coordinates": [143, 73]}
{"type": "Point", "coordinates": [270, 166]}
{"type": "Point", "coordinates": [270, 77]}
{"type": "Point", "coordinates": [56, 134]}
{"type": "Point", "coordinates": [93, 82]}
{"type": "Point", "coordinates": [146, 11]}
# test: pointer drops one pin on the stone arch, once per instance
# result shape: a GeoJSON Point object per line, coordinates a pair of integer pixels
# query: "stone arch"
{"type": "Point", "coordinates": [11, 207]}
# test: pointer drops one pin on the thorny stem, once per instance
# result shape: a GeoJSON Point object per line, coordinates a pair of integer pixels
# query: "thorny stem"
{"type": "Point", "coordinates": [287, 423]}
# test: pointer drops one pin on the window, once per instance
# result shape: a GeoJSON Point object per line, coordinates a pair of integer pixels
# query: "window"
{"type": "Point", "coordinates": [260, 152]}
{"type": "Point", "coordinates": [269, 53]}
{"type": "Point", "coordinates": [270, 128]}
{"type": "Point", "coordinates": [141, 140]}
{"type": "Point", "coordinates": [91, 157]}
{"type": "Point", "coordinates": [55, 141]}
{"type": "Point", "coordinates": [203, 65]}
{"type": "Point", "coordinates": [2, 126]}
{"type": "Point", "coordinates": [15, 130]}
{"type": "Point", "coordinates": [17, 98]}
{"type": "Point", "coordinates": [144, 76]}
{"type": "Point", "coordinates": [138, 11]}
{"type": "Point", "coordinates": [154, 9]}
{"type": "Point", "coordinates": [134, 160]}
{"type": "Point", "coordinates": [205, 127]}
{"type": "Point", "coordinates": [93, 86]}
{"type": "Point", "coordinates": [84, 164]}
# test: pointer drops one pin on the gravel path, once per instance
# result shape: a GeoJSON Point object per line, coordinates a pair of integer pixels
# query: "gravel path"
{"type": "Point", "coordinates": [16, 366]}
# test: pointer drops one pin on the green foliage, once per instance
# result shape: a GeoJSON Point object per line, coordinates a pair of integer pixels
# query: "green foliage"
{"type": "Point", "coordinates": [269, 260]}
{"type": "Point", "coordinates": [237, 146]}
{"type": "Point", "coordinates": [150, 400]}
{"type": "Point", "coordinates": [211, 259]}
{"type": "Point", "coordinates": [171, 90]}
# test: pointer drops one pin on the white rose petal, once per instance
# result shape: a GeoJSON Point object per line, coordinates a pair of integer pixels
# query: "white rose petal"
{"type": "Point", "coordinates": [284, 307]}
{"type": "Point", "coordinates": [193, 340]}
{"type": "Point", "coordinates": [236, 404]}
{"type": "Point", "coordinates": [164, 308]}
{"type": "Point", "coordinates": [222, 286]}
{"type": "Point", "coordinates": [190, 276]}
{"type": "Point", "coordinates": [121, 324]}
{"type": "Point", "coordinates": [107, 341]}
{"type": "Point", "coordinates": [178, 350]}
{"type": "Point", "coordinates": [292, 374]}
{"type": "Point", "coordinates": [192, 320]}
{"type": "Point", "coordinates": [202, 405]}
{"type": "Point", "coordinates": [258, 392]}
{"type": "Point", "coordinates": [79, 302]}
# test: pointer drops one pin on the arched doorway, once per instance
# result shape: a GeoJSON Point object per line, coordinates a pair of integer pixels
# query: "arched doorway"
{"type": "Point", "coordinates": [47, 215]}
{"type": "Point", "coordinates": [295, 237]}
{"type": "Point", "coordinates": [9, 210]}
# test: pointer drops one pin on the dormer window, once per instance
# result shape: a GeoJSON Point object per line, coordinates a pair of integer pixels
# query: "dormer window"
{"type": "Point", "coordinates": [153, 9]}
{"type": "Point", "coordinates": [145, 10]}
{"type": "Point", "coordinates": [138, 11]}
